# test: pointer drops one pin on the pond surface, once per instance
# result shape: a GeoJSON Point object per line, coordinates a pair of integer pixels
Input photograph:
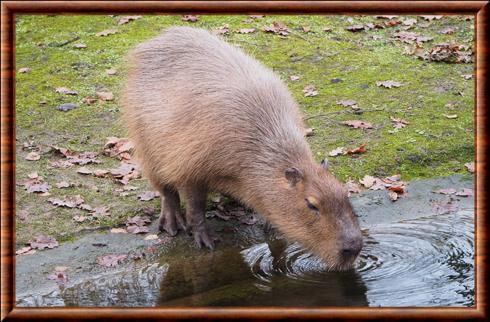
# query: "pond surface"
{"type": "Point", "coordinates": [421, 262]}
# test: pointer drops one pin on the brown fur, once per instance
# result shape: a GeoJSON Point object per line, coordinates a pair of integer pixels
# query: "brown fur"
{"type": "Point", "coordinates": [205, 116]}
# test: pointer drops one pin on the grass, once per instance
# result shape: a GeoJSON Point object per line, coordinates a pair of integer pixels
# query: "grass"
{"type": "Point", "coordinates": [431, 145]}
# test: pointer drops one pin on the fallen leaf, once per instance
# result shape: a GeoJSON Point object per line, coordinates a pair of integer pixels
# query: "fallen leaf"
{"type": "Point", "coordinates": [111, 260]}
{"type": "Point", "coordinates": [190, 18]}
{"type": "Point", "coordinates": [448, 191]}
{"type": "Point", "coordinates": [69, 202]}
{"type": "Point", "coordinates": [450, 116]}
{"type": "Point", "coordinates": [367, 181]}
{"type": "Point", "coordinates": [352, 187]}
{"type": "Point", "coordinates": [79, 46]}
{"type": "Point", "coordinates": [111, 72]}
{"type": "Point", "coordinates": [89, 100]}
{"type": "Point", "coordinates": [60, 164]}
{"type": "Point", "coordinates": [310, 91]}
{"type": "Point", "coordinates": [126, 19]}
{"type": "Point", "coordinates": [467, 76]}
{"type": "Point", "coordinates": [358, 124]}
{"type": "Point", "coordinates": [62, 184]}
{"type": "Point", "coordinates": [246, 30]}
{"type": "Point", "coordinates": [393, 195]}
{"type": "Point", "coordinates": [151, 237]}
{"type": "Point", "coordinates": [98, 212]}
{"type": "Point", "coordinates": [326, 29]}
{"type": "Point", "coordinates": [100, 173]}
{"type": "Point", "coordinates": [115, 146]}
{"type": "Point", "coordinates": [24, 70]}
{"type": "Point", "coordinates": [356, 28]}
{"type": "Point", "coordinates": [38, 188]}
{"type": "Point", "coordinates": [148, 195]}
{"type": "Point", "coordinates": [293, 78]}
{"type": "Point", "coordinates": [337, 151]}
{"type": "Point", "coordinates": [409, 22]}
{"type": "Point", "coordinates": [470, 166]}
{"type": "Point", "coordinates": [386, 17]}
{"type": "Point", "coordinates": [59, 275]}
{"type": "Point", "coordinates": [447, 31]}
{"type": "Point", "coordinates": [137, 229]}
{"type": "Point", "coordinates": [27, 250]}
{"type": "Point", "coordinates": [84, 171]}
{"type": "Point", "coordinates": [466, 192]}
{"type": "Point", "coordinates": [399, 123]}
{"type": "Point", "coordinates": [223, 30]}
{"type": "Point", "coordinates": [256, 16]}
{"type": "Point", "coordinates": [33, 156]}
{"type": "Point", "coordinates": [105, 96]}
{"type": "Point", "coordinates": [138, 221]}
{"type": "Point", "coordinates": [346, 103]}
{"type": "Point", "coordinates": [360, 149]}
{"type": "Point", "coordinates": [118, 231]}
{"type": "Point", "coordinates": [278, 28]}
{"type": "Point", "coordinates": [430, 18]}
{"type": "Point", "coordinates": [450, 53]}
{"type": "Point", "coordinates": [411, 37]}
{"type": "Point", "coordinates": [80, 218]}
{"type": "Point", "coordinates": [106, 32]}
{"type": "Point", "coordinates": [42, 242]}
{"type": "Point", "coordinates": [65, 90]}
{"type": "Point", "coordinates": [306, 29]}
{"type": "Point", "coordinates": [445, 206]}
{"type": "Point", "coordinates": [388, 84]}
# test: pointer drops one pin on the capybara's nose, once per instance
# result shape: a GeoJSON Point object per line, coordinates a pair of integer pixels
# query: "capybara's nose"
{"type": "Point", "coordinates": [351, 246]}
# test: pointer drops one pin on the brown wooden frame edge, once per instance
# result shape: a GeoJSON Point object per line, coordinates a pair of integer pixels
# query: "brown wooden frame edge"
{"type": "Point", "coordinates": [11, 8]}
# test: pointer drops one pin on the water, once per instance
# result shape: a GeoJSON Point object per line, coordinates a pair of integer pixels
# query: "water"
{"type": "Point", "coordinates": [423, 262]}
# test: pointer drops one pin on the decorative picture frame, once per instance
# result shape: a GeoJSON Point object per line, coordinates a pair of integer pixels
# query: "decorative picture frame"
{"type": "Point", "coordinates": [10, 9]}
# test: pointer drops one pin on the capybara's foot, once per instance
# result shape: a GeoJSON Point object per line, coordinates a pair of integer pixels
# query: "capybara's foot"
{"type": "Point", "coordinates": [204, 238]}
{"type": "Point", "coordinates": [171, 223]}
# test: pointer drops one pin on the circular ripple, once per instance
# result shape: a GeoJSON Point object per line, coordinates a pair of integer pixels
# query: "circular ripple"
{"type": "Point", "coordinates": [423, 262]}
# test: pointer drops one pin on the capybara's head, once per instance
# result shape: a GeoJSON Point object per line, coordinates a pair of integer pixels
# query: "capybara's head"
{"type": "Point", "coordinates": [314, 210]}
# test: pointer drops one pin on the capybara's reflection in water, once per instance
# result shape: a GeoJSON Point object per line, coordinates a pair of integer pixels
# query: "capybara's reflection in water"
{"type": "Point", "coordinates": [227, 277]}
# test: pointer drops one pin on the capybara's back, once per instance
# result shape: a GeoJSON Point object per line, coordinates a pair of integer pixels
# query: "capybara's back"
{"type": "Point", "coordinates": [205, 116]}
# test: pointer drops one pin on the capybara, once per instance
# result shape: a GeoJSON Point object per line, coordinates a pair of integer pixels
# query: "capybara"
{"type": "Point", "coordinates": [204, 116]}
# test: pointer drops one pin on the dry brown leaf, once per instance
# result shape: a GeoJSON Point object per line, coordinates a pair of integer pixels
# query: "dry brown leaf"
{"type": "Point", "coordinates": [105, 96]}
{"type": "Point", "coordinates": [470, 166]}
{"type": "Point", "coordinates": [24, 70]}
{"type": "Point", "coordinates": [126, 19]}
{"type": "Point", "coordinates": [106, 32]}
{"type": "Point", "coordinates": [42, 242]}
{"type": "Point", "coordinates": [111, 260]}
{"type": "Point", "coordinates": [246, 30]}
{"type": "Point", "coordinates": [310, 91]}
{"type": "Point", "coordinates": [337, 151]}
{"type": "Point", "coordinates": [399, 123]}
{"type": "Point", "coordinates": [360, 149]}
{"type": "Point", "coordinates": [33, 156]}
{"type": "Point", "coordinates": [358, 124]}
{"type": "Point", "coordinates": [190, 18]}
{"type": "Point", "coordinates": [388, 84]}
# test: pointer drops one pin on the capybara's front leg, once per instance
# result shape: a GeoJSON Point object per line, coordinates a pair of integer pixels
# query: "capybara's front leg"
{"type": "Point", "coordinates": [195, 215]}
{"type": "Point", "coordinates": [171, 219]}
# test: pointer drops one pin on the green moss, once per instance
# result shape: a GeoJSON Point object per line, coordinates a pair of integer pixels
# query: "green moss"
{"type": "Point", "coordinates": [431, 145]}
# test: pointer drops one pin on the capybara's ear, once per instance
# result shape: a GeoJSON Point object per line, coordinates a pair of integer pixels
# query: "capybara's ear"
{"type": "Point", "coordinates": [294, 175]}
{"type": "Point", "coordinates": [325, 163]}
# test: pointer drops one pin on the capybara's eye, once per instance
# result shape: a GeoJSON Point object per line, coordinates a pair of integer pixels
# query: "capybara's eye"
{"type": "Point", "coordinates": [311, 206]}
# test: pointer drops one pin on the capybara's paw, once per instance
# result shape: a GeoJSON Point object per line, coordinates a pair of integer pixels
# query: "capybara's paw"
{"type": "Point", "coordinates": [203, 238]}
{"type": "Point", "coordinates": [169, 228]}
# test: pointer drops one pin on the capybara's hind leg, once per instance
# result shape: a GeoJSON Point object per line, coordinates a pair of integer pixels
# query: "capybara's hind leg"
{"type": "Point", "coordinates": [171, 219]}
{"type": "Point", "coordinates": [195, 215]}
